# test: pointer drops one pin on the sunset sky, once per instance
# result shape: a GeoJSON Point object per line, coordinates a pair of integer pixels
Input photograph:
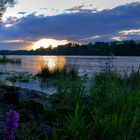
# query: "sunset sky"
{"type": "Point", "coordinates": [81, 21]}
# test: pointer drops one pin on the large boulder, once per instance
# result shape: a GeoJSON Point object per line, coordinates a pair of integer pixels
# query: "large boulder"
{"type": "Point", "coordinates": [2, 94]}
{"type": "Point", "coordinates": [27, 94]}
{"type": "Point", "coordinates": [10, 96]}
{"type": "Point", "coordinates": [17, 95]}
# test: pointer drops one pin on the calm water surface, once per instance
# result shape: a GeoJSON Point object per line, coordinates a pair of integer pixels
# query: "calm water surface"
{"type": "Point", "coordinates": [84, 64]}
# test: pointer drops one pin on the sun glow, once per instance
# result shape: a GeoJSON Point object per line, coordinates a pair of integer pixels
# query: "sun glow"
{"type": "Point", "coordinates": [53, 62]}
{"type": "Point", "coordinates": [47, 42]}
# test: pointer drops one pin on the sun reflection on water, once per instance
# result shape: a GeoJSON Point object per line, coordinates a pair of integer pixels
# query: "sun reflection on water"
{"type": "Point", "coordinates": [53, 62]}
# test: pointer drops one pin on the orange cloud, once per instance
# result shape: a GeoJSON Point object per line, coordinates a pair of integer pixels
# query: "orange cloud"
{"type": "Point", "coordinates": [11, 41]}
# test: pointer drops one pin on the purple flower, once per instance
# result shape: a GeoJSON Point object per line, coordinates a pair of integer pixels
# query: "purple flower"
{"type": "Point", "coordinates": [11, 124]}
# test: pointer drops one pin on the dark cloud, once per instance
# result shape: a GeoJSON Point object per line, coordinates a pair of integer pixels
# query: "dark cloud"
{"type": "Point", "coordinates": [83, 26]}
{"type": "Point", "coordinates": [82, 8]}
{"type": "Point", "coordinates": [76, 8]}
{"type": "Point", "coordinates": [22, 13]}
{"type": "Point", "coordinates": [43, 8]}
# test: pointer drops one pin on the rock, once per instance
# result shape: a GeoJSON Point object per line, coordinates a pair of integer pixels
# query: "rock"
{"type": "Point", "coordinates": [17, 95]}
{"type": "Point", "coordinates": [26, 95]}
{"type": "Point", "coordinates": [11, 97]}
{"type": "Point", "coordinates": [47, 129]}
{"type": "Point", "coordinates": [2, 94]}
{"type": "Point", "coordinates": [38, 105]}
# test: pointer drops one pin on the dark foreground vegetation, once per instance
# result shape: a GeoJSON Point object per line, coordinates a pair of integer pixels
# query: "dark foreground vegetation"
{"type": "Point", "coordinates": [126, 48]}
{"type": "Point", "coordinates": [105, 107]}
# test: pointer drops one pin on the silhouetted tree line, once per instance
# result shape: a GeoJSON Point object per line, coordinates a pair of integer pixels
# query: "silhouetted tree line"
{"type": "Point", "coordinates": [126, 48]}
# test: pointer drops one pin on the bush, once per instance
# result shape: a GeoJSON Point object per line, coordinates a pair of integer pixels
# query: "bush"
{"type": "Point", "coordinates": [46, 72]}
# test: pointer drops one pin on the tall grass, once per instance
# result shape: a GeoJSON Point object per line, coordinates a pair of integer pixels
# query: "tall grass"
{"type": "Point", "coordinates": [46, 72]}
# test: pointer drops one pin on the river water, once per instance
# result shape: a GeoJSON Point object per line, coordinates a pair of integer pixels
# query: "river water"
{"type": "Point", "coordinates": [84, 64]}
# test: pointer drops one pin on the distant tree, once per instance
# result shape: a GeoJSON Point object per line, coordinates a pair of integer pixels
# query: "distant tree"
{"type": "Point", "coordinates": [50, 47]}
{"type": "Point", "coordinates": [4, 4]}
{"type": "Point", "coordinates": [122, 48]}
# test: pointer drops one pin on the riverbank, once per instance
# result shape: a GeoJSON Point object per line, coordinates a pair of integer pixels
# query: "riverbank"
{"type": "Point", "coordinates": [103, 107]}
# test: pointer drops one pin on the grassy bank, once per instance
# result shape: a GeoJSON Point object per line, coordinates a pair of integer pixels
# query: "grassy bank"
{"type": "Point", "coordinates": [105, 107]}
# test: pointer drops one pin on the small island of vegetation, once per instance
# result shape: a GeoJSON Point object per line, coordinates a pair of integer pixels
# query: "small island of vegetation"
{"type": "Point", "coordinates": [5, 60]}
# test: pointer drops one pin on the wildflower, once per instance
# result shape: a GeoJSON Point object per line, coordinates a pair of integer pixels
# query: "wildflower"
{"type": "Point", "coordinates": [11, 124]}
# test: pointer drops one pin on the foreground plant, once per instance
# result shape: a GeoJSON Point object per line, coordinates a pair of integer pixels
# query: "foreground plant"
{"type": "Point", "coordinates": [77, 125]}
{"type": "Point", "coordinates": [11, 124]}
{"type": "Point", "coordinates": [105, 107]}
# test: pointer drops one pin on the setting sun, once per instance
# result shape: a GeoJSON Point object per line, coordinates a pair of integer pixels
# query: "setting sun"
{"type": "Point", "coordinates": [47, 42]}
